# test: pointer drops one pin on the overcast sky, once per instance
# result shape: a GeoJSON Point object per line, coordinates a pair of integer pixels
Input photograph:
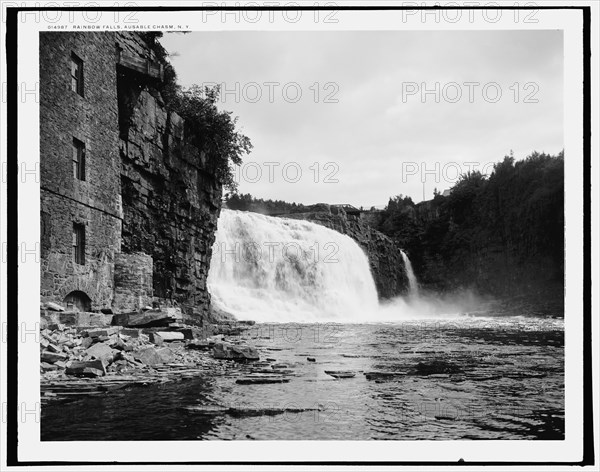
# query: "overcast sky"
{"type": "Point", "coordinates": [366, 124]}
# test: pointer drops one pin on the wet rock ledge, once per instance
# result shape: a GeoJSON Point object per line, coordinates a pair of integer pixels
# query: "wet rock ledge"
{"type": "Point", "coordinates": [151, 346]}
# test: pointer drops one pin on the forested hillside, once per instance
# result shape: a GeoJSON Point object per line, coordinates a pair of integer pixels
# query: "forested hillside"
{"type": "Point", "coordinates": [502, 234]}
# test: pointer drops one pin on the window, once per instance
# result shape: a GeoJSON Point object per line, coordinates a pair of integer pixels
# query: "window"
{"type": "Point", "coordinates": [78, 159]}
{"type": "Point", "coordinates": [76, 74]}
{"type": "Point", "coordinates": [79, 243]}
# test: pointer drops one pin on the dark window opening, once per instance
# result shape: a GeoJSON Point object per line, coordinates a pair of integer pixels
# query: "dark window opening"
{"type": "Point", "coordinates": [79, 243]}
{"type": "Point", "coordinates": [76, 74]}
{"type": "Point", "coordinates": [78, 159]}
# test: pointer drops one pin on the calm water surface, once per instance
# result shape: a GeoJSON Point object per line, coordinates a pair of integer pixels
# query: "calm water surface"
{"type": "Point", "coordinates": [459, 378]}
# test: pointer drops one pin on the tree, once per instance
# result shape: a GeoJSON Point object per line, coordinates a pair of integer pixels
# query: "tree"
{"type": "Point", "coordinates": [212, 132]}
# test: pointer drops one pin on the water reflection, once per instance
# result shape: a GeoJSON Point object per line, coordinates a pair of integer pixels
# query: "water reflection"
{"type": "Point", "coordinates": [452, 379]}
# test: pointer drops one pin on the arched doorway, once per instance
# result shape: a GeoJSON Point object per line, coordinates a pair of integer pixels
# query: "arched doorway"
{"type": "Point", "coordinates": [77, 301]}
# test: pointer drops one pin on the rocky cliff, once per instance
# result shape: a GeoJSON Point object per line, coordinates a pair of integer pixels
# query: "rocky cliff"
{"type": "Point", "coordinates": [384, 256]}
{"type": "Point", "coordinates": [171, 202]}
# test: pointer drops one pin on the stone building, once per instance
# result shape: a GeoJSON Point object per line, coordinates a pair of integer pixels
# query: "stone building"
{"type": "Point", "coordinates": [127, 220]}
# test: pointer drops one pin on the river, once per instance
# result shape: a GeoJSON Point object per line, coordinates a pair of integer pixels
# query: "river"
{"type": "Point", "coordinates": [464, 377]}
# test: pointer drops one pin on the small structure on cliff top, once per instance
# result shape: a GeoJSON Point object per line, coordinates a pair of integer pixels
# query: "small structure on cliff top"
{"type": "Point", "coordinates": [126, 219]}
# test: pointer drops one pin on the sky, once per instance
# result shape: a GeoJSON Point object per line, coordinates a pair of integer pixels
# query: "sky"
{"type": "Point", "coordinates": [360, 116]}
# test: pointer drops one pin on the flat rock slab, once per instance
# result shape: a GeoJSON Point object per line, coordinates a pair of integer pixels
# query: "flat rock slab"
{"type": "Point", "coordinates": [53, 306]}
{"type": "Point", "coordinates": [267, 411]}
{"type": "Point", "coordinates": [436, 367]}
{"type": "Point", "coordinates": [171, 335]}
{"type": "Point", "coordinates": [146, 319]}
{"type": "Point", "coordinates": [208, 410]}
{"type": "Point", "coordinates": [261, 380]}
{"type": "Point", "coordinates": [384, 375]}
{"type": "Point", "coordinates": [199, 345]}
{"type": "Point", "coordinates": [131, 332]}
{"type": "Point", "coordinates": [234, 352]}
{"type": "Point", "coordinates": [87, 369]}
{"type": "Point", "coordinates": [215, 410]}
{"type": "Point", "coordinates": [52, 357]}
{"type": "Point", "coordinates": [96, 333]}
{"type": "Point", "coordinates": [341, 374]}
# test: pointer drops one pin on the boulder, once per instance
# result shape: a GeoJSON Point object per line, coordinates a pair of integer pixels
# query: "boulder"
{"type": "Point", "coordinates": [48, 367]}
{"type": "Point", "coordinates": [102, 332]}
{"type": "Point", "coordinates": [52, 357]}
{"type": "Point", "coordinates": [151, 356]}
{"type": "Point", "coordinates": [224, 350]}
{"type": "Point", "coordinates": [53, 306]}
{"type": "Point", "coordinates": [188, 333]}
{"type": "Point", "coordinates": [198, 345]}
{"type": "Point", "coordinates": [102, 352]}
{"type": "Point", "coordinates": [87, 369]}
{"type": "Point", "coordinates": [57, 327]}
{"type": "Point", "coordinates": [156, 338]}
{"type": "Point", "coordinates": [171, 335]}
{"type": "Point", "coordinates": [148, 356]}
{"type": "Point", "coordinates": [131, 332]}
{"type": "Point", "coordinates": [53, 348]}
{"type": "Point", "coordinates": [166, 354]}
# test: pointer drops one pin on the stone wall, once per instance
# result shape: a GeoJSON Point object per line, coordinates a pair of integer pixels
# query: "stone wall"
{"type": "Point", "coordinates": [384, 256]}
{"type": "Point", "coordinates": [141, 193]}
{"type": "Point", "coordinates": [133, 282]}
{"type": "Point", "coordinates": [171, 203]}
{"type": "Point", "coordinates": [95, 201]}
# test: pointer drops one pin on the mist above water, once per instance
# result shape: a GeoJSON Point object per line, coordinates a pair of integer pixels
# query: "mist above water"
{"type": "Point", "coordinates": [275, 269]}
{"type": "Point", "coordinates": [270, 269]}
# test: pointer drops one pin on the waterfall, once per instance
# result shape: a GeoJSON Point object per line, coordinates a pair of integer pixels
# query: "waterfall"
{"type": "Point", "coordinates": [275, 269]}
{"type": "Point", "coordinates": [413, 285]}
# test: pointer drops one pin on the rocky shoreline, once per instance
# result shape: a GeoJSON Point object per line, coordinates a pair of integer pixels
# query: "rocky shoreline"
{"type": "Point", "coordinates": [79, 360]}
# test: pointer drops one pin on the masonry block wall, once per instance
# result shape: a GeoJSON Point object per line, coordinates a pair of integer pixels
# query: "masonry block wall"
{"type": "Point", "coordinates": [93, 201]}
{"type": "Point", "coordinates": [133, 282]}
{"type": "Point", "coordinates": [150, 211]}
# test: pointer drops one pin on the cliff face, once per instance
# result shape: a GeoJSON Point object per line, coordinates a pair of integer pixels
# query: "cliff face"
{"type": "Point", "coordinates": [171, 205]}
{"type": "Point", "coordinates": [384, 256]}
{"type": "Point", "coordinates": [171, 202]}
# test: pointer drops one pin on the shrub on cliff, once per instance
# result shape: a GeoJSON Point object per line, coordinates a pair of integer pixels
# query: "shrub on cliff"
{"type": "Point", "coordinates": [212, 131]}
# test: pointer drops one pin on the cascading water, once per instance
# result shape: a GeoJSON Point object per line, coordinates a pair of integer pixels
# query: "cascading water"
{"type": "Point", "coordinates": [275, 269]}
{"type": "Point", "coordinates": [413, 285]}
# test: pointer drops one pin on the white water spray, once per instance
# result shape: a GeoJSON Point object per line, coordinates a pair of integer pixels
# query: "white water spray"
{"type": "Point", "coordinates": [275, 269]}
{"type": "Point", "coordinates": [271, 269]}
{"type": "Point", "coordinates": [413, 284]}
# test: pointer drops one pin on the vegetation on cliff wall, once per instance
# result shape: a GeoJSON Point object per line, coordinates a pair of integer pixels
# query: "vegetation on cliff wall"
{"type": "Point", "coordinates": [246, 202]}
{"type": "Point", "coordinates": [210, 132]}
{"type": "Point", "coordinates": [502, 234]}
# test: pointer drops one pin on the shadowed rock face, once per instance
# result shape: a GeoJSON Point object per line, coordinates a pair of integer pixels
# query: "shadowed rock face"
{"type": "Point", "coordinates": [171, 204]}
{"type": "Point", "coordinates": [385, 258]}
